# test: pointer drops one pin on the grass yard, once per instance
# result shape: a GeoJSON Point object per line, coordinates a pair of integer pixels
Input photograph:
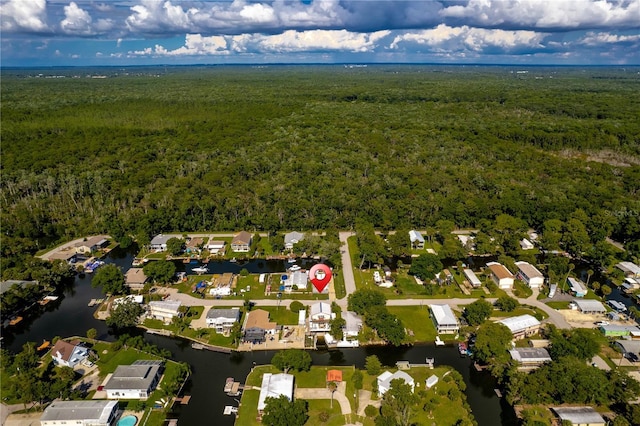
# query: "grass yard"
{"type": "Point", "coordinates": [248, 408]}
{"type": "Point", "coordinates": [416, 319]}
{"type": "Point", "coordinates": [338, 283]}
{"type": "Point", "coordinates": [281, 315]}
{"type": "Point", "coordinates": [521, 290]}
{"type": "Point", "coordinates": [110, 360]}
{"type": "Point", "coordinates": [318, 406]}
{"type": "Point", "coordinates": [559, 305]}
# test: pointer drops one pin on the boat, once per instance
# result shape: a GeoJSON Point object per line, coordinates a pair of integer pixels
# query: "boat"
{"type": "Point", "coordinates": [295, 268]}
{"type": "Point", "coordinates": [234, 260]}
{"type": "Point", "coordinates": [228, 384]}
{"type": "Point", "coordinates": [462, 348]}
{"type": "Point", "coordinates": [45, 344]}
{"type": "Point", "coordinates": [15, 320]}
{"type": "Point", "coordinates": [92, 266]}
{"type": "Point", "coordinates": [292, 260]}
{"type": "Point", "coordinates": [201, 270]}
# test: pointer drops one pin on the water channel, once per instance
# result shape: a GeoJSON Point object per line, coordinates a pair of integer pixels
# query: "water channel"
{"type": "Point", "coordinates": [71, 316]}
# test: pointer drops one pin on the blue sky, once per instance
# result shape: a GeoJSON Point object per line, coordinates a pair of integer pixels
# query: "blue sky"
{"type": "Point", "coordinates": [141, 32]}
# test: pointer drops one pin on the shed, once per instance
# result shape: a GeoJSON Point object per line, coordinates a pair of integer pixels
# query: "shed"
{"type": "Point", "coordinates": [473, 278]}
{"type": "Point", "coordinates": [334, 376]}
{"type": "Point", "coordinates": [302, 316]}
{"type": "Point", "coordinates": [590, 306]}
{"type": "Point", "coordinates": [431, 381]}
{"type": "Point", "coordinates": [580, 415]}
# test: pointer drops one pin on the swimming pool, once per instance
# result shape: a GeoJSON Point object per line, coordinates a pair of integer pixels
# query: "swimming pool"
{"type": "Point", "coordinates": [128, 421]}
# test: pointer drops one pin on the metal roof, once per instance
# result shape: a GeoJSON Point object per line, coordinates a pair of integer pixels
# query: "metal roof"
{"type": "Point", "coordinates": [443, 314]}
{"type": "Point", "coordinates": [98, 411]}
{"type": "Point", "coordinates": [519, 323]}
{"type": "Point", "coordinates": [223, 313]}
{"type": "Point", "coordinates": [530, 354]}
{"type": "Point", "coordinates": [415, 236]}
{"type": "Point", "coordinates": [529, 270]}
{"type": "Point", "coordinates": [138, 375]}
{"type": "Point", "coordinates": [274, 385]}
{"type": "Point", "coordinates": [587, 305]}
{"type": "Point", "coordinates": [579, 415]}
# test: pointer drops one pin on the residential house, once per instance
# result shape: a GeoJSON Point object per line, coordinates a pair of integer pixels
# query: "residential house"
{"type": "Point", "coordinates": [384, 381]}
{"type": "Point", "coordinates": [353, 324]}
{"type": "Point", "coordinates": [589, 306]}
{"type": "Point", "coordinates": [135, 381]}
{"type": "Point", "coordinates": [445, 320]}
{"type": "Point", "coordinates": [9, 284]}
{"type": "Point", "coordinates": [614, 330]}
{"type": "Point", "coordinates": [417, 240]}
{"type": "Point", "coordinates": [90, 245]}
{"type": "Point", "coordinates": [529, 358]}
{"type": "Point", "coordinates": [319, 317]}
{"type": "Point", "coordinates": [472, 278]}
{"type": "Point", "coordinates": [194, 245]}
{"type": "Point", "coordinates": [291, 239]}
{"type": "Point", "coordinates": [135, 278]}
{"type": "Point", "coordinates": [68, 354]}
{"type": "Point", "coordinates": [164, 310]}
{"type": "Point", "coordinates": [630, 349]}
{"type": "Point", "coordinates": [467, 241]}
{"type": "Point", "coordinates": [69, 256]}
{"type": "Point", "coordinates": [80, 413]}
{"type": "Point", "coordinates": [580, 416]}
{"type": "Point", "coordinates": [578, 288]}
{"type": "Point", "coordinates": [500, 275]}
{"type": "Point", "coordinates": [257, 326]}
{"type": "Point", "coordinates": [241, 243]}
{"type": "Point", "coordinates": [526, 244]}
{"type": "Point", "coordinates": [216, 247]}
{"type": "Point", "coordinates": [273, 386]}
{"type": "Point", "coordinates": [298, 278]}
{"type": "Point", "coordinates": [529, 274]}
{"type": "Point", "coordinates": [222, 319]}
{"type": "Point", "coordinates": [522, 326]}
{"type": "Point", "coordinates": [630, 269]}
{"type": "Point", "coordinates": [159, 242]}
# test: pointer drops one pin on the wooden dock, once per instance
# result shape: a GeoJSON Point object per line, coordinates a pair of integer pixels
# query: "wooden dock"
{"type": "Point", "coordinates": [212, 348]}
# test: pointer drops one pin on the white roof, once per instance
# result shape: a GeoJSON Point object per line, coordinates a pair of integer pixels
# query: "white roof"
{"type": "Point", "coordinates": [98, 411]}
{"type": "Point", "coordinates": [589, 305]}
{"type": "Point", "coordinates": [274, 385]}
{"type": "Point", "coordinates": [576, 285]}
{"type": "Point", "coordinates": [161, 239]}
{"type": "Point", "coordinates": [293, 237]}
{"type": "Point", "coordinates": [302, 315]}
{"type": "Point", "coordinates": [629, 267]}
{"type": "Point", "coordinates": [529, 270]}
{"type": "Point", "coordinates": [415, 236]}
{"type": "Point", "coordinates": [353, 321]}
{"type": "Point", "coordinates": [168, 305]}
{"type": "Point", "coordinates": [443, 314]}
{"type": "Point", "coordinates": [299, 278]}
{"type": "Point", "coordinates": [472, 277]}
{"type": "Point", "coordinates": [321, 308]}
{"type": "Point", "coordinates": [530, 354]}
{"type": "Point", "coordinates": [579, 415]}
{"type": "Point", "coordinates": [385, 378]}
{"type": "Point", "coordinates": [519, 323]}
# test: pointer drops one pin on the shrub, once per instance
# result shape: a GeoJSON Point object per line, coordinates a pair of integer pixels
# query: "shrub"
{"type": "Point", "coordinates": [296, 306]}
{"type": "Point", "coordinates": [371, 411]}
{"type": "Point", "coordinates": [323, 416]}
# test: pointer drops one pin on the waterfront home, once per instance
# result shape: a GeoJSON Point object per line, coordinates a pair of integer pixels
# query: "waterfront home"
{"type": "Point", "coordinates": [135, 381]}
{"type": "Point", "coordinates": [529, 358]}
{"type": "Point", "coordinates": [159, 242]}
{"type": "Point", "coordinates": [257, 326]}
{"type": "Point", "coordinates": [472, 278]}
{"type": "Point", "coordinates": [297, 280]}
{"type": "Point", "coordinates": [241, 242]}
{"type": "Point", "coordinates": [194, 245]}
{"type": "Point", "coordinates": [629, 269]}
{"type": "Point", "coordinates": [164, 310]}
{"type": "Point", "coordinates": [444, 319]}
{"type": "Point", "coordinates": [216, 247]}
{"type": "Point", "coordinates": [222, 319]}
{"type": "Point", "coordinates": [589, 306]}
{"type": "Point", "coordinates": [68, 354]}
{"type": "Point", "coordinates": [135, 278]}
{"type": "Point", "coordinates": [500, 275]}
{"type": "Point", "coordinates": [291, 239]}
{"type": "Point", "coordinates": [9, 284]}
{"type": "Point", "coordinates": [613, 330]}
{"type": "Point", "coordinates": [526, 244]}
{"type": "Point", "coordinates": [630, 349]}
{"type": "Point", "coordinates": [319, 317]}
{"type": "Point", "coordinates": [522, 326]}
{"type": "Point", "coordinates": [69, 256]}
{"type": "Point", "coordinates": [384, 381]}
{"type": "Point", "coordinates": [273, 386]}
{"type": "Point", "coordinates": [582, 416]}
{"type": "Point", "coordinates": [529, 274]}
{"type": "Point", "coordinates": [90, 245]}
{"type": "Point", "coordinates": [353, 324]}
{"type": "Point", "coordinates": [417, 240]}
{"type": "Point", "coordinates": [578, 288]}
{"type": "Point", "coordinates": [84, 413]}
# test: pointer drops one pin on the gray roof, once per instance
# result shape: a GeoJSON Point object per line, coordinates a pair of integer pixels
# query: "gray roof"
{"type": "Point", "coordinates": [443, 315]}
{"type": "Point", "coordinates": [223, 313]}
{"type": "Point", "coordinates": [629, 268]}
{"type": "Point", "coordinates": [138, 375]}
{"type": "Point", "coordinates": [274, 385]}
{"type": "Point", "coordinates": [629, 346]}
{"type": "Point", "coordinates": [161, 239]}
{"type": "Point", "coordinates": [530, 354]}
{"type": "Point", "coordinates": [579, 415]}
{"type": "Point", "coordinates": [415, 236]}
{"type": "Point", "coordinates": [79, 410]}
{"type": "Point", "coordinates": [519, 323]}
{"type": "Point", "coordinates": [353, 321]}
{"type": "Point", "coordinates": [6, 285]}
{"type": "Point", "coordinates": [617, 328]}
{"type": "Point", "coordinates": [321, 308]}
{"type": "Point", "coordinates": [299, 278]}
{"type": "Point", "coordinates": [588, 305]}
{"type": "Point", "coordinates": [293, 237]}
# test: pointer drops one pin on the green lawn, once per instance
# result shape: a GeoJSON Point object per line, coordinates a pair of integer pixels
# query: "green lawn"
{"type": "Point", "coordinates": [558, 305]}
{"type": "Point", "coordinates": [110, 360]}
{"type": "Point", "coordinates": [416, 319]}
{"type": "Point", "coordinates": [281, 315]}
{"type": "Point", "coordinates": [338, 283]}
{"type": "Point", "coordinates": [521, 290]}
{"type": "Point", "coordinates": [248, 408]}
{"type": "Point", "coordinates": [317, 406]}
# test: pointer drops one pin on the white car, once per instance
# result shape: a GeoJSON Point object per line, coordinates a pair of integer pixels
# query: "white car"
{"type": "Point", "coordinates": [602, 323]}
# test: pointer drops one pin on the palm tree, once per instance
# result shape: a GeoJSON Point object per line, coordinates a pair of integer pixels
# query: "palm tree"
{"type": "Point", "coordinates": [589, 274]}
{"type": "Point", "coordinates": [333, 386]}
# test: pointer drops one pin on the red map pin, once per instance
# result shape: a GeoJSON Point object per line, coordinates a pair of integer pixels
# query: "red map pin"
{"type": "Point", "coordinates": [320, 275]}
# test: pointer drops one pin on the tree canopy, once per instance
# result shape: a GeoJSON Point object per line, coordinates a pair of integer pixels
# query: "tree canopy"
{"type": "Point", "coordinates": [110, 278]}
{"type": "Point", "coordinates": [161, 271]}
{"type": "Point", "coordinates": [296, 359]}
{"type": "Point", "coordinates": [125, 314]}
{"type": "Point", "coordinates": [361, 300]}
{"type": "Point", "coordinates": [280, 411]}
{"type": "Point", "coordinates": [493, 341]}
{"type": "Point", "coordinates": [426, 266]}
{"type": "Point", "coordinates": [477, 312]}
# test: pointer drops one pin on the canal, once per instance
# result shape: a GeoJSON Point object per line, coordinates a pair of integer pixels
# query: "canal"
{"type": "Point", "coordinates": [71, 316]}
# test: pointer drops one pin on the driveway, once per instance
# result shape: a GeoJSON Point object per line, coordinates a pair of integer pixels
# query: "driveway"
{"type": "Point", "coordinates": [324, 393]}
{"type": "Point", "coordinates": [347, 267]}
{"type": "Point", "coordinates": [69, 245]}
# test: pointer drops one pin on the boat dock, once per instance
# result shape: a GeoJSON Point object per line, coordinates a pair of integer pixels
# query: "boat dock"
{"type": "Point", "coordinates": [212, 348]}
{"type": "Point", "coordinates": [229, 410]}
{"type": "Point", "coordinates": [439, 342]}
{"type": "Point", "coordinates": [232, 388]}
{"type": "Point", "coordinates": [94, 302]}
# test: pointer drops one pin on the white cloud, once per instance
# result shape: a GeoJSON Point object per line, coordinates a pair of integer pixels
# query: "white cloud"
{"type": "Point", "coordinates": [195, 45]}
{"type": "Point", "coordinates": [546, 14]}
{"type": "Point", "coordinates": [24, 15]}
{"type": "Point", "coordinates": [604, 38]}
{"type": "Point", "coordinates": [77, 21]}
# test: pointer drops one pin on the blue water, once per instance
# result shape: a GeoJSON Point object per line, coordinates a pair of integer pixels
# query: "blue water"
{"type": "Point", "coordinates": [127, 421]}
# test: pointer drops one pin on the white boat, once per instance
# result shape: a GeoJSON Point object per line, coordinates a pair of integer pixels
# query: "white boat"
{"type": "Point", "coordinates": [201, 269]}
{"type": "Point", "coordinates": [295, 268]}
{"type": "Point", "coordinates": [233, 260]}
{"type": "Point", "coordinates": [292, 260]}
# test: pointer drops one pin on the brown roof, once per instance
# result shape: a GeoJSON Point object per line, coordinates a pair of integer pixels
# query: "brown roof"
{"type": "Point", "coordinates": [62, 255]}
{"type": "Point", "coordinates": [499, 270]}
{"type": "Point", "coordinates": [529, 270]}
{"type": "Point", "coordinates": [195, 242]}
{"type": "Point", "coordinates": [65, 349]}
{"type": "Point", "coordinates": [135, 275]}
{"type": "Point", "coordinates": [242, 238]}
{"type": "Point", "coordinates": [334, 376]}
{"type": "Point", "coordinates": [259, 318]}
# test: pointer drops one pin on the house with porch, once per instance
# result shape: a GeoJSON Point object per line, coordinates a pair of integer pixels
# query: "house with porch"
{"type": "Point", "coordinates": [68, 354]}
{"type": "Point", "coordinates": [241, 243]}
{"type": "Point", "coordinates": [529, 358]}
{"type": "Point", "coordinates": [159, 242]}
{"type": "Point", "coordinates": [417, 240]}
{"type": "Point", "coordinates": [529, 274]}
{"type": "Point", "coordinates": [384, 381]}
{"type": "Point", "coordinates": [257, 326]}
{"type": "Point", "coordinates": [222, 319]}
{"type": "Point", "coordinates": [579, 416]}
{"type": "Point", "coordinates": [444, 319]}
{"type": "Point", "coordinates": [83, 413]}
{"type": "Point", "coordinates": [500, 275]}
{"type": "Point", "coordinates": [164, 310]}
{"type": "Point", "coordinates": [194, 245]}
{"type": "Point", "coordinates": [92, 244]}
{"type": "Point", "coordinates": [291, 239]}
{"type": "Point", "coordinates": [135, 381]}
{"type": "Point", "coordinates": [522, 326]}
{"type": "Point", "coordinates": [135, 278]}
{"type": "Point", "coordinates": [319, 317]}
{"type": "Point", "coordinates": [217, 247]}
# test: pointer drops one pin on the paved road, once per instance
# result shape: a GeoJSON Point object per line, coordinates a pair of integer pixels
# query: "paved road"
{"type": "Point", "coordinates": [347, 267]}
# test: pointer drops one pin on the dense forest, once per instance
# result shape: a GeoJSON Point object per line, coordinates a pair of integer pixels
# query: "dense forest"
{"type": "Point", "coordinates": [278, 148]}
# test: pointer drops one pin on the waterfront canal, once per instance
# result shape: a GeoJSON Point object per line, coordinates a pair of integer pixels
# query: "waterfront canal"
{"type": "Point", "coordinates": [71, 316]}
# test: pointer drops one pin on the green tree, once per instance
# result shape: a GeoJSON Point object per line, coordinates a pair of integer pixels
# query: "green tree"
{"type": "Point", "coordinates": [174, 378]}
{"type": "Point", "coordinates": [605, 290]}
{"type": "Point", "coordinates": [452, 248]}
{"type": "Point", "coordinates": [399, 243]}
{"type": "Point", "coordinates": [125, 314]}
{"type": "Point", "coordinates": [280, 411]}
{"type": "Point", "coordinates": [426, 266]}
{"type": "Point", "coordinates": [336, 325]}
{"type": "Point", "coordinates": [175, 246]}
{"type": "Point", "coordinates": [361, 300]}
{"type": "Point", "coordinates": [356, 378]}
{"type": "Point", "coordinates": [477, 312]}
{"type": "Point", "coordinates": [92, 333]}
{"type": "Point", "coordinates": [397, 404]}
{"type": "Point", "coordinates": [161, 271]}
{"type": "Point", "coordinates": [373, 365]}
{"type": "Point", "coordinates": [296, 359]}
{"type": "Point", "coordinates": [387, 325]}
{"type": "Point", "coordinates": [575, 237]}
{"type": "Point", "coordinates": [493, 340]}
{"type": "Point", "coordinates": [296, 306]}
{"type": "Point", "coordinates": [506, 303]}
{"type": "Point", "coordinates": [111, 279]}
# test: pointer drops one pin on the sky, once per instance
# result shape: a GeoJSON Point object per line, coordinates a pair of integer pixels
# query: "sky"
{"type": "Point", "coordinates": [176, 32]}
